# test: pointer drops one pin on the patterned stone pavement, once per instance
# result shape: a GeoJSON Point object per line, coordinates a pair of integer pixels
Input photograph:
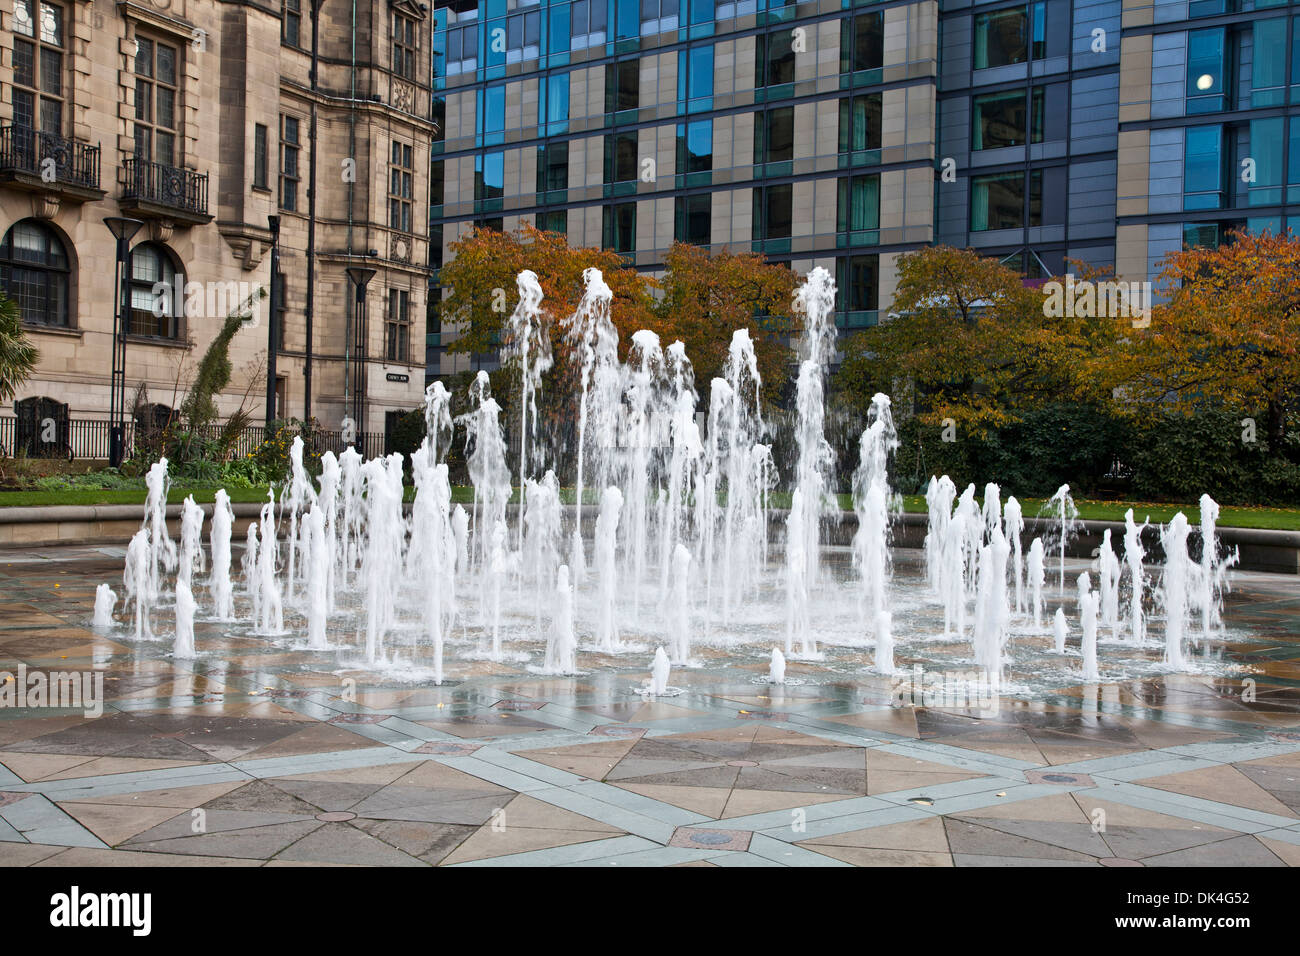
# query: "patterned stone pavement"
{"type": "Point", "coordinates": [259, 755]}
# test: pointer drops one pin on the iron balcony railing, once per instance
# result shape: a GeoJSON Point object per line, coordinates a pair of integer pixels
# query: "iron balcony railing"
{"type": "Point", "coordinates": [164, 185]}
{"type": "Point", "coordinates": [55, 159]}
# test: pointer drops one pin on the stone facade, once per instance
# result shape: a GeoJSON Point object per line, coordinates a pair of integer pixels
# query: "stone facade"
{"type": "Point", "coordinates": [241, 83]}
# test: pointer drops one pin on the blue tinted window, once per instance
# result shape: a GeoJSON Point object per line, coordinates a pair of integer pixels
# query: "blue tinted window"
{"type": "Point", "coordinates": [701, 11]}
{"type": "Point", "coordinates": [695, 78]}
{"type": "Point", "coordinates": [1266, 151]}
{"type": "Point", "coordinates": [1203, 168]}
{"type": "Point", "coordinates": [628, 22]}
{"type": "Point", "coordinates": [489, 176]}
{"type": "Point", "coordinates": [558, 34]}
{"type": "Point", "coordinates": [1293, 156]}
{"type": "Point", "coordinates": [1205, 73]}
{"type": "Point", "coordinates": [492, 115]}
{"type": "Point", "coordinates": [555, 104]}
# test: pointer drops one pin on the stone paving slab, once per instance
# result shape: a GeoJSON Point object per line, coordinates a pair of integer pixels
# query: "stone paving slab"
{"type": "Point", "coordinates": [581, 772]}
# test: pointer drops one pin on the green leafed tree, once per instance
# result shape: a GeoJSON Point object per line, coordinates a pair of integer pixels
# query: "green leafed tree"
{"type": "Point", "coordinates": [18, 356]}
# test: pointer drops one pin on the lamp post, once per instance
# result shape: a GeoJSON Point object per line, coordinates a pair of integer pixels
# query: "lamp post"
{"type": "Point", "coordinates": [123, 230]}
{"type": "Point", "coordinates": [360, 276]}
{"type": "Point", "coordinates": [273, 326]}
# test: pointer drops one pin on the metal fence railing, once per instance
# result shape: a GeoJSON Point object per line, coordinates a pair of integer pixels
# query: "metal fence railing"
{"type": "Point", "coordinates": [73, 439]}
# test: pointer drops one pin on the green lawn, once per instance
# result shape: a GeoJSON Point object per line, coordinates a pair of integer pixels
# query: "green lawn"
{"type": "Point", "coordinates": [1286, 519]}
{"type": "Point", "coordinates": [1281, 518]}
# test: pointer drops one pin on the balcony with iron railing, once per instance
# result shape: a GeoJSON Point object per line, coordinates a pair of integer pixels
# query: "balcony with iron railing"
{"type": "Point", "coordinates": [158, 191]}
{"type": "Point", "coordinates": [38, 161]}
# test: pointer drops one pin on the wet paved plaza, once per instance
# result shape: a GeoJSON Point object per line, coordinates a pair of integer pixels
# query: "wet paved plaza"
{"type": "Point", "coordinates": [259, 754]}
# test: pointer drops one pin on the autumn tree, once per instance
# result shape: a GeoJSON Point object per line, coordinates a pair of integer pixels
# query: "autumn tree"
{"type": "Point", "coordinates": [483, 290]}
{"type": "Point", "coordinates": [1229, 334]}
{"type": "Point", "coordinates": [706, 298]}
{"type": "Point", "coordinates": [967, 339]}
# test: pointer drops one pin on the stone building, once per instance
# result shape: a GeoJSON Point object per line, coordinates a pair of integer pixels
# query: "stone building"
{"type": "Point", "coordinates": [198, 118]}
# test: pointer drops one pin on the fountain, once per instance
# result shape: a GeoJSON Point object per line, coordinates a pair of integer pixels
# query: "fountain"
{"type": "Point", "coordinates": [1061, 509]}
{"type": "Point", "coordinates": [162, 550]}
{"type": "Point", "coordinates": [1133, 555]}
{"type": "Point", "coordinates": [659, 671]}
{"type": "Point", "coordinates": [611, 503]}
{"type": "Point", "coordinates": [252, 579]}
{"type": "Point", "coordinates": [679, 606]}
{"type": "Point", "coordinates": [1088, 602]}
{"type": "Point", "coordinates": [1175, 583]}
{"type": "Point", "coordinates": [437, 419]}
{"type": "Point", "coordinates": [105, 601]}
{"type": "Point", "coordinates": [992, 509]}
{"type": "Point", "coordinates": [317, 559]}
{"type": "Point", "coordinates": [884, 643]}
{"type": "Point", "coordinates": [1036, 577]}
{"type": "Point", "coordinates": [776, 670]}
{"type": "Point", "coordinates": [561, 644]}
{"type": "Point", "coordinates": [183, 647]}
{"type": "Point", "coordinates": [1212, 579]}
{"type": "Point", "coordinates": [796, 582]}
{"type": "Point", "coordinates": [329, 503]}
{"type": "Point", "coordinates": [642, 433]}
{"type": "Point", "coordinates": [939, 497]}
{"type": "Point", "coordinates": [191, 549]}
{"type": "Point", "coordinates": [1108, 572]}
{"type": "Point", "coordinates": [140, 583]}
{"type": "Point", "coordinates": [382, 479]}
{"type": "Point", "coordinates": [815, 299]}
{"type": "Point", "coordinates": [679, 549]}
{"type": "Point", "coordinates": [1013, 526]}
{"type": "Point", "coordinates": [871, 504]}
{"type": "Point", "coordinates": [270, 610]}
{"type": "Point", "coordinates": [544, 520]}
{"type": "Point", "coordinates": [485, 455]}
{"type": "Point", "coordinates": [684, 458]}
{"type": "Point", "coordinates": [991, 612]}
{"type": "Point", "coordinates": [528, 344]}
{"type": "Point", "coordinates": [738, 467]}
{"type": "Point", "coordinates": [219, 586]}
{"type": "Point", "coordinates": [594, 334]}
{"type": "Point", "coordinates": [498, 567]}
{"type": "Point", "coordinates": [353, 511]}
{"type": "Point", "coordinates": [300, 494]}
{"type": "Point", "coordinates": [1060, 630]}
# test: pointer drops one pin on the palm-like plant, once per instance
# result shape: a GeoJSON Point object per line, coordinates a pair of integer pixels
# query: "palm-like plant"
{"type": "Point", "coordinates": [18, 355]}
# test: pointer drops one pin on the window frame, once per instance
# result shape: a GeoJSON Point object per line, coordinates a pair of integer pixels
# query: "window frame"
{"type": "Point", "coordinates": [397, 326]}
{"type": "Point", "coordinates": [49, 271]}
{"type": "Point", "coordinates": [404, 38]}
{"type": "Point", "coordinates": [40, 49]}
{"type": "Point", "coordinates": [147, 119]}
{"type": "Point", "coordinates": [289, 147]}
{"type": "Point", "coordinates": [173, 274]}
{"type": "Point", "coordinates": [401, 187]}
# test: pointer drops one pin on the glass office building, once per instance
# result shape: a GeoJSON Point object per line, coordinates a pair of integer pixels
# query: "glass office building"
{"type": "Point", "coordinates": [801, 131]}
{"type": "Point", "coordinates": [841, 133]}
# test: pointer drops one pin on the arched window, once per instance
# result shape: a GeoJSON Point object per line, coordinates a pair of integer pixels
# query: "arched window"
{"type": "Point", "coordinates": [157, 293]}
{"type": "Point", "coordinates": [34, 273]}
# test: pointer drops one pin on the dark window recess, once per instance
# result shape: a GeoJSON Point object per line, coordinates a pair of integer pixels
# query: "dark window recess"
{"type": "Point", "coordinates": [774, 135]}
{"type": "Point", "coordinates": [260, 170]}
{"type": "Point", "coordinates": [622, 86]}
{"type": "Point", "coordinates": [693, 219]}
{"type": "Point", "coordinates": [862, 42]}
{"type": "Point", "coordinates": [621, 156]}
{"type": "Point", "coordinates": [34, 273]}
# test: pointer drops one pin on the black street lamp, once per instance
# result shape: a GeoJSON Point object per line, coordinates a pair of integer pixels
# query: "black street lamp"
{"type": "Point", "coordinates": [273, 326]}
{"type": "Point", "coordinates": [360, 276]}
{"type": "Point", "coordinates": [123, 231]}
